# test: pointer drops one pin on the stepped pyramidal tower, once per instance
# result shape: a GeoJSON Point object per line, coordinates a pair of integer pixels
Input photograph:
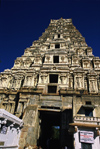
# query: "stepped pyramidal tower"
{"type": "Point", "coordinates": [55, 87]}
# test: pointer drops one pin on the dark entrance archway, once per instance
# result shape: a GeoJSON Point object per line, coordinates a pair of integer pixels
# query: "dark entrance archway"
{"type": "Point", "coordinates": [50, 130]}
{"type": "Point", "coordinates": [54, 130]}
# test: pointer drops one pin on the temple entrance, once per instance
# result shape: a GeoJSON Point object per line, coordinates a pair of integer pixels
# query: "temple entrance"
{"type": "Point", "coordinates": [50, 130]}
{"type": "Point", "coordinates": [54, 130]}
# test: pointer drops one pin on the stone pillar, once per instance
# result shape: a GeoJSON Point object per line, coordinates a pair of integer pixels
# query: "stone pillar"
{"type": "Point", "coordinates": [29, 134]}
{"type": "Point", "coordinates": [74, 105]}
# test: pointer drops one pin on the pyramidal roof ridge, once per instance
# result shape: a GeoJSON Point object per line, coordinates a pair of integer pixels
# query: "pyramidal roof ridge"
{"type": "Point", "coordinates": [61, 19]}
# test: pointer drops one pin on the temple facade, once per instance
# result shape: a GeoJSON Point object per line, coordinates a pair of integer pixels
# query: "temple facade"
{"type": "Point", "coordinates": [55, 87]}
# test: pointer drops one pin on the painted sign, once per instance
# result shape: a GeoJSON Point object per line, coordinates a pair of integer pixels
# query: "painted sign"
{"type": "Point", "coordinates": [87, 136]}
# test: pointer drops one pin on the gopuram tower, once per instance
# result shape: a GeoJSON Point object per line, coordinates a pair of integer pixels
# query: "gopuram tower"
{"type": "Point", "coordinates": [55, 85]}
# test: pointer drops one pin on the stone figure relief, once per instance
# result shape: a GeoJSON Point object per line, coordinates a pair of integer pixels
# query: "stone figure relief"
{"type": "Point", "coordinates": [62, 79]}
{"type": "Point", "coordinates": [20, 108]}
{"type": "Point", "coordinates": [48, 58]}
{"type": "Point", "coordinates": [75, 43]}
{"type": "Point", "coordinates": [80, 52]}
{"type": "Point", "coordinates": [35, 81]}
{"type": "Point", "coordinates": [85, 84]}
{"type": "Point", "coordinates": [43, 78]}
{"type": "Point", "coordinates": [75, 61]}
{"type": "Point", "coordinates": [79, 82]}
{"type": "Point", "coordinates": [9, 106]}
{"type": "Point", "coordinates": [17, 83]}
{"type": "Point", "coordinates": [12, 108]}
{"type": "Point", "coordinates": [70, 82]}
{"type": "Point", "coordinates": [96, 65]}
{"type": "Point", "coordinates": [86, 65]}
{"type": "Point", "coordinates": [4, 106]}
{"type": "Point", "coordinates": [62, 58]}
{"type": "Point", "coordinates": [37, 60]}
{"type": "Point", "coordinates": [25, 81]}
{"type": "Point", "coordinates": [11, 81]}
{"type": "Point", "coordinates": [28, 80]}
{"type": "Point", "coordinates": [92, 86]}
{"type": "Point", "coordinates": [27, 53]}
{"type": "Point", "coordinates": [59, 79]}
{"type": "Point", "coordinates": [67, 81]}
{"type": "Point", "coordinates": [18, 63]}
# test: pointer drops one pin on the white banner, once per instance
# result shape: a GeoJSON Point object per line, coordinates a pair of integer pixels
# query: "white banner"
{"type": "Point", "coordinates": [87, 136]}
